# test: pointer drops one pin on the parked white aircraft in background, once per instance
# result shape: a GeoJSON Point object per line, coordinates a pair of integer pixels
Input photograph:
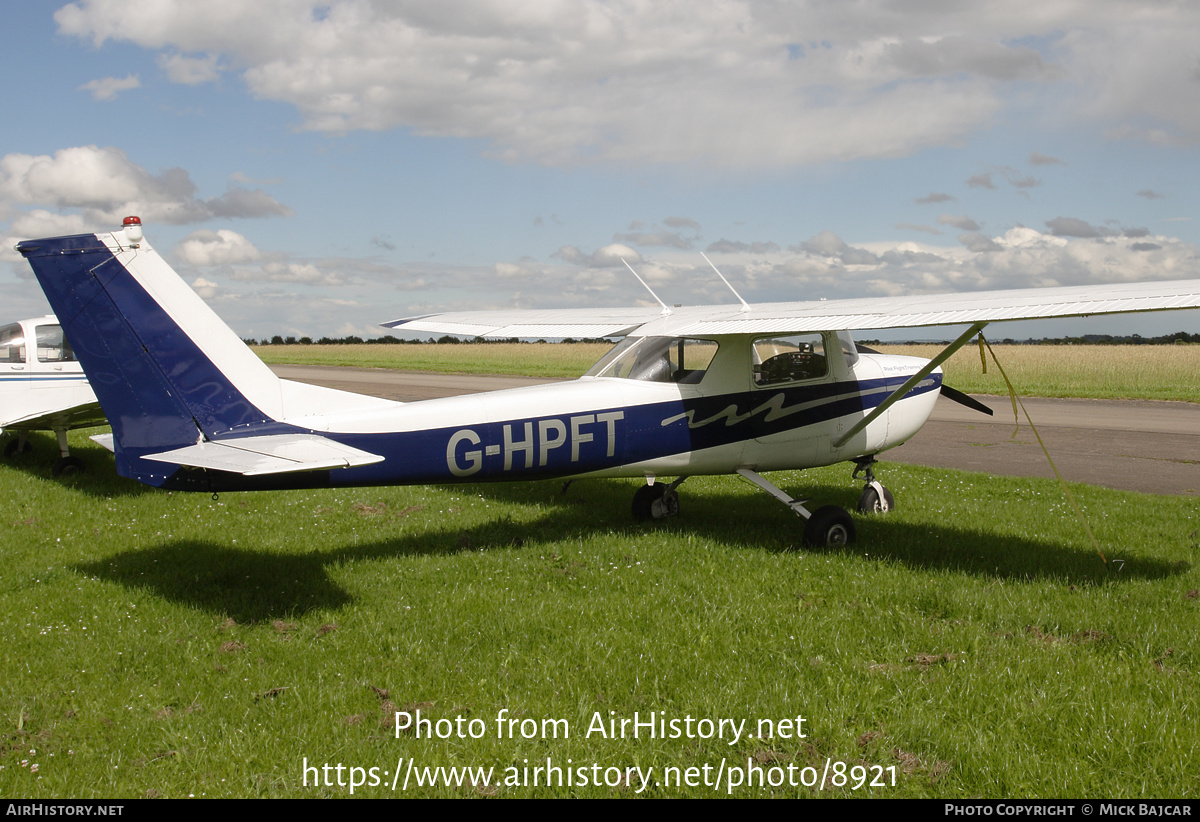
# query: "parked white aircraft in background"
{"type": "Point", "coordinates": [42, 388]}
{"type": "Point", "coordinates": [707, 390]}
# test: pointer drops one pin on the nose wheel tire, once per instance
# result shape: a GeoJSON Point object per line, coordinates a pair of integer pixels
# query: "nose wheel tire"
{"type": "Point", "coordinates": [872, 503]}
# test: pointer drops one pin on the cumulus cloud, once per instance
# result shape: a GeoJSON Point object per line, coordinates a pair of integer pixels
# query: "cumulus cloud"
{"type": "Point", "coordinates": [934, 197]}
{"type": "Point", "coordinates": [223, 247]}
{"type": "Point", "coordinates": [636, 82]}
{"type": "Point", "coordinates": [961, 222]}
{"type": "Point", "coordinates": [724, 246]}
{"type": "Point", "coordinates": [978, 242]}
{"type": "Point", "coordinates": [607, 257]}
{"type": "Point", "coordinates": [1074, 227]}
{"type": "Point", "coordinates": [1038, 159]}
{"type": "Point", "coordinates": [107, 88]}
{"type": "Point", "coordinates": [205, 288]}
{"type": "Point", "coordinates": [659, 238]}
{"type": "Point", "coordinates": [106, 185]}
{"type": "Point", "coordinates": [189, 71]}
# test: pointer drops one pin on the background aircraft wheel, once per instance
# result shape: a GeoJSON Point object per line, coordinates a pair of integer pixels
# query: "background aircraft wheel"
{"type": "Point", "coordinates": [65, 466]}
{"type": "Point", "coordinates": [869, 502]}
{"type": "Point", "coordinates": [16, 445]}
{"type": "Point", "coordinates": [829, 525]}
{"type": "Point", "coordinates": [655, 502]}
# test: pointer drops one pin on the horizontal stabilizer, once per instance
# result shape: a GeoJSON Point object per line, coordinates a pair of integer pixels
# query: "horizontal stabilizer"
{"type": "Point", "coordinates": [273, 454]}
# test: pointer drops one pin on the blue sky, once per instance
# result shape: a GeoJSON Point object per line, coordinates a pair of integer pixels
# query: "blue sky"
{"type": "Point", "coordinates": [318, 168]}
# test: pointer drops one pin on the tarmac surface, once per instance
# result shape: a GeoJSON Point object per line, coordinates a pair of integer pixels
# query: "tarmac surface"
{"type": "Point", "coordinates": [1132, 445]}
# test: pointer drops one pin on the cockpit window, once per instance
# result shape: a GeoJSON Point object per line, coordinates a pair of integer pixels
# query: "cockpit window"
{"type": "Point", "coordinates": [788, 359]}
{"type": "Point", "coordinates": [52, 346]}
{"type": "Point", "coordinates": [12, 344]}
{"type": "Point", "coordinates": [680, 360]}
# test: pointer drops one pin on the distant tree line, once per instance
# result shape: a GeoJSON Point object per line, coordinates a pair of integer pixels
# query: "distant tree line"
{"type": "Point", "coordinates": [1178, 338]}
{"type": "Point", "coordinates": [390, 340]}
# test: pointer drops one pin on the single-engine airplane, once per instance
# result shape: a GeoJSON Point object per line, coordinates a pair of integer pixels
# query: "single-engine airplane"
{"type": "Point", "coordinates": [43, 388]}
{"type": "Point", "coordinates": [739, 389]}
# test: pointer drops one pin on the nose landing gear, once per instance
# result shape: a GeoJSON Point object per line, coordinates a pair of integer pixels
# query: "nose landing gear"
{"type": "Point", "coordinates": [875, 498]}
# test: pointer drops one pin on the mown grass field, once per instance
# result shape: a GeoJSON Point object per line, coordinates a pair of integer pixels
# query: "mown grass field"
{"type": "Point", "coordinates": [1157, 372]}
{"type": "Point", "coordinates": [972, 644]}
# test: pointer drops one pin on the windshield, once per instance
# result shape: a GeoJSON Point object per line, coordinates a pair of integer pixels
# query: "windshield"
{"type": "Point", "coordinates": [657, 359]}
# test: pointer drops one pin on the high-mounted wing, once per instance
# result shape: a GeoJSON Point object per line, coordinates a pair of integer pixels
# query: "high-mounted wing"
{"type": "Point", "coordinates": [581, 322]}
{"type": "Point", "coordinates": [822, 315]}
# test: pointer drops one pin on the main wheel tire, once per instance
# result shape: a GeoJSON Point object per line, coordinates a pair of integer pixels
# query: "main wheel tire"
{"type": "Point", "coordinates": [869, 502]}
{"type": "Point", "coordinates": [16, 445]}
{"type": "Point", "coordinates": [644, 499]}
{"type": "Point", "coordinates": [66, 466]}
{"type": "Point", "coordinates": [651, 497]}
{"type": "Point", "coordinates": [829, 525]}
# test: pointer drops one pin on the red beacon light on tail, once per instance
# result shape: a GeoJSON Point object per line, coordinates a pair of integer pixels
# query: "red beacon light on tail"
{"type": "Point", "coordinates": [133, 230]}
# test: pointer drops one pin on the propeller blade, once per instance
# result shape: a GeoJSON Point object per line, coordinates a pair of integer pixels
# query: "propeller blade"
{"type": "Point", "coordinates": [964, 399]}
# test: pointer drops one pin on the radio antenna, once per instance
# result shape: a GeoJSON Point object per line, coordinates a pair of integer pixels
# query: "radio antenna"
{"type": "Point", "coordinates": [745, 305]}
{"type": "Point", "coordinates": [665, 310]}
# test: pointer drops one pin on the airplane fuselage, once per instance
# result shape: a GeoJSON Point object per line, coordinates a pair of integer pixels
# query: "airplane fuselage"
{"type": "Point", "coordinates": [606, 427]}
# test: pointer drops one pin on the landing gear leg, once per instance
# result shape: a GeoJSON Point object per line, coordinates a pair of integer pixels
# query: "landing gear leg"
{"type": "Point", "coordinates": [657, 501]}
{"type": "Point", "coordinates": [875, 498]}
{"type": "Point", "coordinates": [828, 525]}
{"type": "Point", "coordinates": [65, 464]}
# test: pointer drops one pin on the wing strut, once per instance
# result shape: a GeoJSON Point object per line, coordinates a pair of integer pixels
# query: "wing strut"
{"type": "Point", "coordinates": [910, 383]}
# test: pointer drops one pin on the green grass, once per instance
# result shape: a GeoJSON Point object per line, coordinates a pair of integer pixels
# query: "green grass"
{"type": "Point", "coordinates": [171, 645]}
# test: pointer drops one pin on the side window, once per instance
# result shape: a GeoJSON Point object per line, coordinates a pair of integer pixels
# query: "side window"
{"type": "Point", "coordinates": [793, 358]}
{"type": "Point", "coordinates": [12, 344]}
{"type": "Point", "coordinates": [52, 346]}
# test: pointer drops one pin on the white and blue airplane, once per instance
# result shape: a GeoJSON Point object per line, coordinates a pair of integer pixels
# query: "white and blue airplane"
{"type": "Point", "coordinates": [43, 388]}
{"type": "Point", "coordinates": [735, 389]}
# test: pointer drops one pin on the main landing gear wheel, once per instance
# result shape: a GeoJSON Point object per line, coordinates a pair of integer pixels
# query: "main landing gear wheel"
{"type": "Point", "coordinates": [66, 466]}
{"type": "Point", "coordinates": [829, 525]}
{"type": "Point", "coordinates": [655, 502]}
{"type": "Point", "coordinates": [872, 503]}
{"type": "Point", "coordinates": [17, 445]}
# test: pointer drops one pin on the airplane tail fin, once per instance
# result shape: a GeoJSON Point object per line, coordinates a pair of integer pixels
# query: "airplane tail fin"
{"type": "Point", "coordinates": [169, 374]}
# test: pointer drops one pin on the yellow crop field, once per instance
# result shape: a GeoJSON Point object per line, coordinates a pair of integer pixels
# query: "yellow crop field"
{"type": "Point", "coordinates": [1152, 372]}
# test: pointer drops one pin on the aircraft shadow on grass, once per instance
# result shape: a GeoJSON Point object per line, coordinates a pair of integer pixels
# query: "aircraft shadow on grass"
{"type": "Point", "coordinates": [255, 586]}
